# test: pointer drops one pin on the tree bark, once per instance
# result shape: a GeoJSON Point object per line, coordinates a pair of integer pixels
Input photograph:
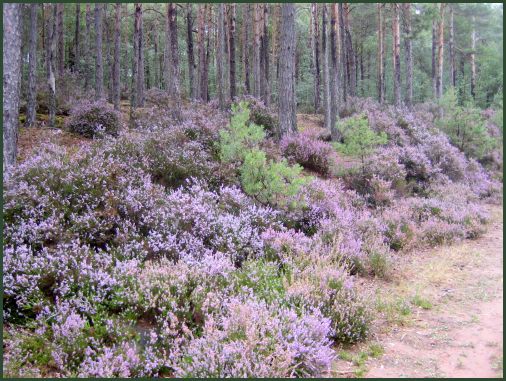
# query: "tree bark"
{"type": "Point", "coordinates": [77, 42]}
{"type": "Point", "coordinates": [440, 45]}
{"type": "Point", "coordinates": [220, 55]}
{"type": "Point", "coordinates": [11, 80]}
{"type": "Point", "coordinates": [203, 85]}
{"type": "Point", "coordinates": [453, 69]}
{"type": "Point", "coordinates": [189, 47]}
{"type": "Point", "coordinates": [32, 68]}
{"type": "Point", "coordinates": [315, 49]}
{"type": "Point", "coordinates": [287, 96]}
{"type": "Point", "coordinates": [381, 56]}
{"type": "Point", "coordinates": [141, 84]}
{"type": "Point", "coordinates": [134, 101]}
{"type": "Point", "coordinates": [334, 72]}
{"type": "Point", "coordinates": [61, 41]}
{"type": "Point", "coordinates": [99, 65]}
{"type": "Point", "coordinates": [257, 22]}
{"type": "Point", "coordinates": [350, 54]}
{"type": "Point", "coordinates": [174, 89]}
{"type": "Point", "coordinates": [233, 87]}
{"type": "Point", "coordinates": [51, 64]}
{"type": "Point", "coordinates": [473, 58]}
{"type": "Point", "coordinates": [88, 54]}
{"type": "Point", "coordinates": [396, 54]}
{"type": "Point", "coordinates": [408, 53]}
{"type": "Point", "coordinates": [116, 63]}
{"type": "Point", "coordinates": [433, 71]}
{"type": "Point", "coordinates": [326, 71]}
{"type": "Point", "coordinates": [247, 46]}
{"type": "Point", "coordinates": [264, 57]}
{"type": "Point", "coordinates": [344, 52]}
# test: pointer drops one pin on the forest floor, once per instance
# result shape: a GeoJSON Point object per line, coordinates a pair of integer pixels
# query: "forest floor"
{"type": "Point", "coordinates": [439, 315]}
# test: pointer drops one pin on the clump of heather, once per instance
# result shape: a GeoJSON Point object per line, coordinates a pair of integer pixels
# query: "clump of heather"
{"type": "Point", "coordinates": [94, 119]}
{"type": "Point", "coordinates": [309, 152]}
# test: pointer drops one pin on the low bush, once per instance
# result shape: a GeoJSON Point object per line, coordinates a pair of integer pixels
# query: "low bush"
{"type": "Point", "coordinates": [94, 119]}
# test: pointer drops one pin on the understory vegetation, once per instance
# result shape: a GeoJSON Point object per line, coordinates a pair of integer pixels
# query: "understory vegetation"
{"type": "Point", "coordinates": [201, 248]}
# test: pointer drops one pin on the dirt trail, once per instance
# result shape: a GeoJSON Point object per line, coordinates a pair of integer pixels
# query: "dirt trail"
{"type": "Point", "coordinates": [454, 323]}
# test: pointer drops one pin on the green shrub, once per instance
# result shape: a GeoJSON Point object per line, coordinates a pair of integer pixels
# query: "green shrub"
{"type": "Point", "coordinates": [240, 136]}
{"type": "Point", "coordinates": [269, 181]}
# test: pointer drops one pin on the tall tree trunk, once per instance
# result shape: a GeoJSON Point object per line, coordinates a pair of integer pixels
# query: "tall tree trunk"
{"type": "Point", "coordinates": [203, 84]}
{"type": "Point", "coordinates": [77, 42]}
{"type": "Point", "coordinates": [88, 54]}
{"type": "Point", "coordinates": [453, 68]}
{"type": "Point", "coordinates": [99, 65]}
{"type": "Point", "coordinates": [408, 53]}
{"type": "Point", "coordinates": [350, 55]}
{"type": "Point", "coordinates": [264, 58]}
{"type": "Point", "coordinates": [32, 68]}
{"type": "Point", "coordinates": [156, 67]}
{"type": "Point", "coordinates": [433, 71]}
{"type": "Point", "coordinates": [11, 80]}
{"type": "Point", "coordinates": [315, 50]}
{"type": "Point", "coordinates": [440, 45]}
{"type": "Point", "coordinates": [141, 83]}
{"type": "Point", "coordinates": [116, 65]}
{"type": "Point", "coordinates": [134, 101]}
{"type": "Point", "coordinates": [257, 22]}
{"type": "Point", "coordinates": [220, 55]}
{"type": "Point", "coordinates": [108, 56]}
{"type": "Point", "coordinates": [247, 46]}
{"type": "Point", "coordinates": [61, 41]}
{"type": "Point", "coordinates": [344, 58]}
{"type": "Point", "coordinates": [473, 58]}
{"type": "Point", "coordinates": [396, 54]}
{"type": "Point", "coordinates": [174, 89]}
{"type": "Point", "coordinates": [326, 71]}
{"type": "Point", "coordinates": [167, 69]}
{"type": "Point", "coordinates": [381, 56]}
{"type": "Point", "coordinates": [334, 72]}
{"type": "Point", "coordinates": [51, 64]}
{"type": "Point", "coordinates": [287, 96]}
{"type": "Point", "coordinates": [189, 48]}
{"type": "Point", "coordinates": [231, 36]}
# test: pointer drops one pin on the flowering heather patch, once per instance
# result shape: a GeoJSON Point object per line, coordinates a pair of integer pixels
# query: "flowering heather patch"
{"type": "Point", "coordinates": [307, 151]}
{"type": "Point", "coordinates": [94, 119]}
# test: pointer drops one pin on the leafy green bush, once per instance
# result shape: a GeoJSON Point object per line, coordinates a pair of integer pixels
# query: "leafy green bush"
{"type": "Point", "coordinates": [240, 135]}
{"type": "Point", "coordinates": [269, 181]}
{"type": "Point", "coordinates": [358, 138]}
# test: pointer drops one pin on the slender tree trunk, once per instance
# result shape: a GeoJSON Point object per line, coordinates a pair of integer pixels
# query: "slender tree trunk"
{"type": "Point", "coordinates": [77, 42]}
{"type": "Point", "coordinates": [166, 53]}
{"type": "Point", "coordinates": [99, 66]}
{"type": "Point", "coordinates": [135, 59]}
{"type": "Point", "coordinates": [174, 90]}
{"type": "Point", "coordinates": [334, 72]}
{"type": "Point", "coordinates": [315, 49]}
{"type": "Point", "coordinates": [257, 22]}
{"type": "Point", "coordinates": [51, 64]}
{"type": "Point", "coordinates": [88, 54]}
{"type": "Point", "coordinates": [141, 82]}
{"type": "Point", "coordinates": [264, 58]}
{"type": "Point", "coordinates": [440, 45]}
{"type": "Point", "coordinates": [108, 54]}
{"type": "Point", "coordinates": [32, 67]}
{"type": "Point", "coordinates": [61, 41]}
{"type": "Point", "coordinates": [326, 71]}
{"type": "Point", "coordinates": [433, 72]}
{"type": "Point", "coordinates": [247, 46]}
{"type": "Point", "coordinates": [233, 87]}
{"type": "Point", "coordinates": [189, 47]}
{"type": "Point", "coordinates": [156, 67]}
{"type": "Point", "coordinates": [287, 96]}
{"type": "Point", "coordinates": [453, 69]}
{"type": "Point", "coordinates": [350, 54]}
{"type": "Point", "coordinates": [381, 56]}
{"type": "Point", "coordinates": [220, 55]}
{"type": "Point", "coordinates": [396, 54]}
{"type": "Point", "coordinates": [116, 66]}
{"type": "Point", "coordinates": [11, 80]}
{"type": "Point", "coordinates": [344, 58]}
{"type": "Point", "coordinates": [203, 91]}
{"type": "Point", "coordinates": [473, 58]}
{"type": "Point", "coordinates": [408, 54]}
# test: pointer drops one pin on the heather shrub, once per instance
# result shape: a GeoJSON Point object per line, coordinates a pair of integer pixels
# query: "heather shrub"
{"type": "Point", "coordinates": [261, 115]}
{"type": "Point", "coordinates": [94, 119]}
{"type": "Point", "coordinates": [307, 151]}
{"type": "Point", "coordinates": [253, 339]}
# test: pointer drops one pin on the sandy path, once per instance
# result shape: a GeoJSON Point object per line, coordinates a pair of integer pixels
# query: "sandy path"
{"type": "Point", "coordinates": [460, 334]}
